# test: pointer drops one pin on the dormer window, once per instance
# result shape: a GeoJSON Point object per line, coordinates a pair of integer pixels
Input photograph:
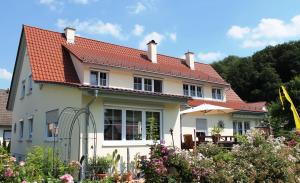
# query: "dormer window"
{"type": "Point", "coordinates": [147, 84]}
{"type": "Point", "coordinates": [192, 91]}
{"type": "Point", "coordinates": [98, 78]}
{"type": "Point", "coordinates": [217, 94]}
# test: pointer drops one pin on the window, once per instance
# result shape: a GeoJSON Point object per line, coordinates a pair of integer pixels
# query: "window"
{"type": "Point", "coordinates": [201, 125]}
{"type": "Point", "coordinates": [113, 124]}
{"type": "Point", "coordinates": [186, 90]}
{"type": "Point", "coordinates": [158, 86]}
{"type": "Point", "coordinates": [7, 135]}
{"type": "Point", "coordinates": [94, 78]}
{"type": "Point", "coordinates": [103, 79]}
{"type": "Point", "coordinates": [23, 89]}
{"type": "Point", "coordinates": [246, 126]}
{"type": "Point", "coordinates": [217, 94]}
{"type": "Point", "coordinates": [192, 90]}
{"type": "Point", "coordinates": [146, 84]}
{"type": "Point", "coordinates": [221, 124]}
{"type": "Point", "coordinates": [240, 127]}
{"type": "Point", "coordinates": [138, 83]}
{"type": "Point", "coordinates": [152, 125]}
{"type": "Point", "coordinates": [30, 84]}
{"type": "Point", "coordinates": [51, 122]}
{"type": "Point", "coordinates": [21, 132]}
{"type": "Point", "coordinates": [30, 128]}
{"type": "Point", "coordinates": [98, 78]}
{"type": "Point", "coordinates": [234, 128]}
{"type": "Point", "coordinates": [199, 92]}
{"type": "Point", "coordinates": [133, 125]}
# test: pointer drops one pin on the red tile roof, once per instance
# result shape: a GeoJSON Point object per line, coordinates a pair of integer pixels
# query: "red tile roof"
{"type": "Point", "coordinates": [51, 62]}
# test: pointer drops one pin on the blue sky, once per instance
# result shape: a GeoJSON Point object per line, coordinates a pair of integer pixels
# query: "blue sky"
{"type": "Point", "coordinates": [212, 29]}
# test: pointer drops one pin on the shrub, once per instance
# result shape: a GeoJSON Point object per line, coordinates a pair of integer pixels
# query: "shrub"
{"type": "Point", "coordinates": [255, 159]}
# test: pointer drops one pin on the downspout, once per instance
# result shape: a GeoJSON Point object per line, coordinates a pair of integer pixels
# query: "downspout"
{"type": "Point", "coordinates": [86, 148]}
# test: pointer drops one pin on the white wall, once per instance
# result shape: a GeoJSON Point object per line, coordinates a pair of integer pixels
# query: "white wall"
{"type": "Point", "coordinates": [42, 99]}
{"type": "Point", "coordinates": [121, 78]}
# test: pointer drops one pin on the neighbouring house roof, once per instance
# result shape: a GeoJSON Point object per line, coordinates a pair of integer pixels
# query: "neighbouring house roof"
{"type": "Point", "coordinates": [5, 115]}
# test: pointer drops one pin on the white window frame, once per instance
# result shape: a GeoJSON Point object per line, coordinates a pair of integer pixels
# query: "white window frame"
{"type": "Point", "coordinates": [189, 90]}
{"type": "Point", "coordinates": [152, 83]}
{"type": "Point", "coordinates": [125, 142]}
{"type": "Point", "coordinates": [47, 138]}
{"type": "Point", "coordinates": [98, 77]}
{"type": "Point", "coordinates": [221, 91]}
{"type": "Point", "coordinates": [243, 126]}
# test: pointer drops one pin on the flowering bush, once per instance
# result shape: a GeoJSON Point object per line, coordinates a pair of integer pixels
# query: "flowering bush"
{"type": "Point", "coordinates": [38, 167]}
{"type": "Point", "coordinates": [255, 159]}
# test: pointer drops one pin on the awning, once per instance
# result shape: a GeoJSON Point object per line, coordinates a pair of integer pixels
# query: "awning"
{"type": "Point", "coordinates": [208, 109]}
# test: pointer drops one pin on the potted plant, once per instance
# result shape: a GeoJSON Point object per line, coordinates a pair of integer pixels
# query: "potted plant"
{"type": "Point", "coordinates": [216, 134]}
{"type": "Point", "coordinates": [101, 166]}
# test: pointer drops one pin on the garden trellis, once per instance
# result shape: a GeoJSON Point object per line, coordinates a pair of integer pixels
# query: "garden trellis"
{"type": "Point", "coordinates": [76, 128]}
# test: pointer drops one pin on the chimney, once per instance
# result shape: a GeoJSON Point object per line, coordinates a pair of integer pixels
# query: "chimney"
{"type": "Point", "coordinates": [152, 51]}
{"type": "Point", "coordinates": [189, 59]}
{"type": "Point", "coordinates": [70, 35]}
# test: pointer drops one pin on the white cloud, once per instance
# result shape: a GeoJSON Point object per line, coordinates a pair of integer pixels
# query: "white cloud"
{"type": "Point", "coordinates": [5, 74]}
{"type": "Point", "coordinates": [138, 30]}
{"type": "Point", "coordinates": [173, 36]}
{"type": "Point", "coordinates": [210, 56]}
{"type": "Point", "coordinates": [93, 27]}
{"type": "Point", "coordinates": [82, 1]}
{"type": "Point", "coordinates": [137, 8]}
{"type": "Point", "coordinates": [52, 4]}
{"type": "Point", "coordinates": [58, 4]}
{"type": "Point", "coordinates": [269, 31]}
{"type": "Point", "coordinates": [157, 37]}
{"type": "Point", "coordinates": [238, 32]}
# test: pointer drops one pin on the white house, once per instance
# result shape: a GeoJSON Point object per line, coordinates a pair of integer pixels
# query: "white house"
{"type": "Point", "coordinates": [56, 70]}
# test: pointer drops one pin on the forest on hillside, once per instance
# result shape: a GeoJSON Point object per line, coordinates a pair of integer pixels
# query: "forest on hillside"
{"type": "Point", "coordinates": [258, 78]}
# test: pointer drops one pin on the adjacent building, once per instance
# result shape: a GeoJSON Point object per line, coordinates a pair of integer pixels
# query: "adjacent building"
{"type": "Point", "coordinates": [5, 117]}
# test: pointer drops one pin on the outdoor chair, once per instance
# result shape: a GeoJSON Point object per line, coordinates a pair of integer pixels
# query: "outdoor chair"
{"type": "Point", "coordinates": [201, 137]}
{"type": "Point", "coordinates": [188, 142]}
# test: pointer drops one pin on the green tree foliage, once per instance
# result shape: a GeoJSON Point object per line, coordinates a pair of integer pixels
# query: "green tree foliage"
{"type": "Point", "coordinates": [258, 78]}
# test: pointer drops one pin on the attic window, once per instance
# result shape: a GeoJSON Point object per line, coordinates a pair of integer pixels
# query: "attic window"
{"type": "Point", "coordinates": [147, 84]}
{"type": "Point", "coordinates": [98, 78]}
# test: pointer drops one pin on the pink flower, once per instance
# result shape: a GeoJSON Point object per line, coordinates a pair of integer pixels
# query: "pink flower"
{"type": "Point", "coordinates": [13, 159]}
{"type": "Point", "coordinates": [8, 172]}
{"type": "Point", "coordinates": [21, 163]}
{"type": "Point", "coordinates": [67, 178]}
{"type": "Point", "coordinates": [24, 181]}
